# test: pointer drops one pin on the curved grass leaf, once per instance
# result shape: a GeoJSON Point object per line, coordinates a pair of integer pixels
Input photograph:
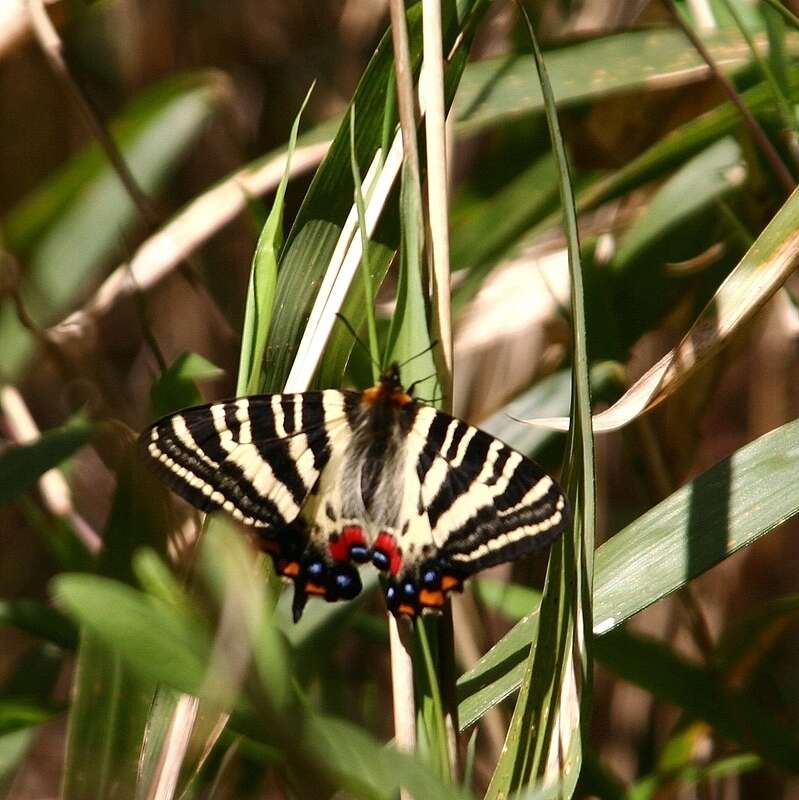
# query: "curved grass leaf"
{"type": "Point", "coordinates": [723, 510]}
{"type": "Point", "coordinates": [159, 641]}
{"type": "Point", "coordinates": [499, 89]}
{"type": "Point", "coordinates": [367, 770]}
{"type": "Point", "coordinates": [263, 280]}
{"type": "Point", "coordinates": [108, 713]}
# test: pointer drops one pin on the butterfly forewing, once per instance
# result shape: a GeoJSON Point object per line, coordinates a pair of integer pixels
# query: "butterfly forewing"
{"type": "Point", "coordinates": [257, 458]}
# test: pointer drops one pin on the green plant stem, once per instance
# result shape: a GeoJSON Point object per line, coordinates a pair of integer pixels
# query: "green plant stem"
{"type": "Point", "coordinates": [401, 664]}
{"type": "Point", "coordinates": [438, 715]}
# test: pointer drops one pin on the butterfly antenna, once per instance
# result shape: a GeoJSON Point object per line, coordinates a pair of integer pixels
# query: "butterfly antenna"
{"type": "Point", "coordinates": [421, 380]}
{"type": "Point", "coordinates": [360, 341]}
{"type": "Point", "coordinates": [426, 350]}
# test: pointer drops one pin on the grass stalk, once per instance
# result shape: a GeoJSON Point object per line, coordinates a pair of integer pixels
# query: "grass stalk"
{"type": "Point", "coordinates": [786, 13]}
{"type": "Point", "coordinates": [432, 90]}
{"type": "Point", "coordinates": [782, 102]}
{"type": "Point", "coordinates": [767, 149]}
{"type": "Point", "coordinates": [401, 662]}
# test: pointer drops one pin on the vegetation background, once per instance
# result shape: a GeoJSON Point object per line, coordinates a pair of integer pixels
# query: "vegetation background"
{"type": "Point", "coordinates": [121, 302]}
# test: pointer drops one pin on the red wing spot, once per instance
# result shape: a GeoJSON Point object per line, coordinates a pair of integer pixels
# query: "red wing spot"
{"type": "Point", "coordinates": [339, 546]}
{"type": "Point", "coordinates": [396, 562]}
{"type": "Point", "coordinates": [386, 544]}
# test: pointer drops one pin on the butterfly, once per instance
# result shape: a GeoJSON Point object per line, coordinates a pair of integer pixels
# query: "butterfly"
{"type": "Point", "coordinates": [330, 480]}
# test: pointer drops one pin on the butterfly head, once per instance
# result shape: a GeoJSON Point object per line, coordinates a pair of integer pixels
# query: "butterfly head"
{"type": "Point", "coordinates": [388, 391]}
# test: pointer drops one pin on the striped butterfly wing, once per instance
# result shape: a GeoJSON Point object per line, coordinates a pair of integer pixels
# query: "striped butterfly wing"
{"type": "Point", "coordinates": [479, 503]}
{"type": "Point", "coordinates": [257, 458]}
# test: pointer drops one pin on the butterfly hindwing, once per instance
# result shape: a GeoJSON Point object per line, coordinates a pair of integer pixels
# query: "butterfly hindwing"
{"type": "Point", "coordinates": [477, 503]}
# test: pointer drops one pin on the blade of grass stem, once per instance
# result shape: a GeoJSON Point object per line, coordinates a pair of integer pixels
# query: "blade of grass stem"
{"type": "Point", "coordinates": [440, 741]}
{"type": "Point", "coordinates": [342, 268]}
{"type": "Point", "coordinates": [409, 333]}
{"type": "Point", "coordinates": [543, 746]}
{"type": "Point", "coordinates": [263, 280]}
{"type": "Point", "coordinates": [366, 272]}
{"type": "Point", "coordinates": [432, 99]}
{"type": "Point", "coordinates": [410, 255]}
{"type": "Point", "coordinates": [431, 85]}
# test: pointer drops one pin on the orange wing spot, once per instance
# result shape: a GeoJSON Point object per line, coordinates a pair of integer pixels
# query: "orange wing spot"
{"type": "Point", "coordinates": [408, 611]}
{"type": "Point", "coordinates": [431, 598]}
{"type": "Point", "coordinates": [450, 583]}
{"type": "Point", "coordinates": [290, 569]}
{"type": "Point", "coordinates": [315, 588]}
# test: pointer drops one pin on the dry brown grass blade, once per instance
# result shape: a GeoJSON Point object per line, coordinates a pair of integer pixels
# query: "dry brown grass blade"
{"type": "Point", "coordinates": [756, 278]}
{"type": "Point", "coordinates": [431, 89]}
{"type": "Point", "coordinates": [164, 251]}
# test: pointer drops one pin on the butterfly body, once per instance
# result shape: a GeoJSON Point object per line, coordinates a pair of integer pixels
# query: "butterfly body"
{"type": "Point", "coordinates": [332, 480]}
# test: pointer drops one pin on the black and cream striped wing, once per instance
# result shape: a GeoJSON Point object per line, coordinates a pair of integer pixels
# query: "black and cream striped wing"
{"type": "Point", "coordinates": [257, 458]}
{"type": "Point", "coordinates": [484, 502]}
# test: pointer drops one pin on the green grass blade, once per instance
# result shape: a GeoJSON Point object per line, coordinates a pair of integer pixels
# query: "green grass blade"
{"type": "Point", "coordinates": [543, 743]}
{"type": "Point", "coordinates": [723, 510]}
{"type": "Point", "coordinates": [108, 713]}
{"type": "Point", "coordinates": [318, 225]}
{"type": "Point", "coordinates": [161, 643]}
{"type": "Point", "coordinates": [497, 90]}
{"type": "Point", "coordinates": [263, 281]}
